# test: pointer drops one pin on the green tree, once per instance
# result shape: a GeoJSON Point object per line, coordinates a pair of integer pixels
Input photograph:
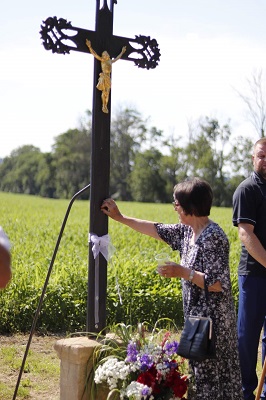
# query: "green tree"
{"type": "Point", "coordinates": [18, 172]}
{"type": "Point", "coordinates": [174, 166]}
{"type": "Point", "coordinates": [146, 182]}
{"type": "Point", "coordinates": [200, 158]}
{"type": "Point", "coordinates": [71, 158]}
{"type": "Point", "coordinates": [128, 132]}
{"type": "Point", "coordinates": [144, 166]}
{"type": "Point", "coordinates": [45, 176]}
{"type": "Point", "coordinates": [240, 157]}
{"type": "Point", "coordinates": [219, 137]}
{"type": "Point", "coordinates": [207, 158]}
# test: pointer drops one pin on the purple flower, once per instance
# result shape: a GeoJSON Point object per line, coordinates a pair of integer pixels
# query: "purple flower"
{"type": "Point", "coordinates": [132, 352]}
{"type": "Point", "coordinates": [146, 362]}
{"type": "Point", "coordinates": [171, 364]}
{"type": "Point", "coordinates": [145, 391]}
{"type": "Point", "coordinates": [171, 348]}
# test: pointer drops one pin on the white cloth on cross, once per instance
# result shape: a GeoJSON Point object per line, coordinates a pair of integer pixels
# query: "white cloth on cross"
{"type": "Point", "coordinates": [104, 246]}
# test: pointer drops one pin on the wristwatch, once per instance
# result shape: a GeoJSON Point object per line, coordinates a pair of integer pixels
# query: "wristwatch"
{"type": "Point", "coordinates": [191, 275]}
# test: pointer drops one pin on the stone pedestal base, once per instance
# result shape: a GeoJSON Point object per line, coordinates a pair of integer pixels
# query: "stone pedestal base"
{"type": "Point", "coordinates": [76, 363]}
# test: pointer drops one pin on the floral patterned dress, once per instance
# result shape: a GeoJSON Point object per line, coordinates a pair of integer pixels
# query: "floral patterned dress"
{"type": "Point", "coordinates": [217, 379]}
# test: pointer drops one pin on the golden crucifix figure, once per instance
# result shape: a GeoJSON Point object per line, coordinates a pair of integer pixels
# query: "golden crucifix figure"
{"type": "Point", "coordinates": [104, 82]}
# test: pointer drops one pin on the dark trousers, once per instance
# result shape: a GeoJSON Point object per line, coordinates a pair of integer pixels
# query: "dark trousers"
{"type": "Point", "coordinates": [251, 320]}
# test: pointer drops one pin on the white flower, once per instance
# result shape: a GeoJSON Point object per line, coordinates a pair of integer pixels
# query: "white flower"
{"type": "Point", "coordinates": [163, 369]}
{"type": "Point", "coordinates": [136, 390]}
{"type": "Point", "coordinates": [141, 356]}
{"type": "Point", "coordinates": [111, 371]}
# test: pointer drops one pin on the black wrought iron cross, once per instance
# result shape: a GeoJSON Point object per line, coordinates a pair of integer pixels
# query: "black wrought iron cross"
{"type": "Point", "coordinates": [61, 37]}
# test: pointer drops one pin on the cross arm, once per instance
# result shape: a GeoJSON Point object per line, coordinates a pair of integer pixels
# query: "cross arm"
{"type": "Point", "coordinates": [61, 37]}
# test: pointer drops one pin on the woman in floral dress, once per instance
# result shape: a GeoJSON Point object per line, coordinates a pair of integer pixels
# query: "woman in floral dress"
{"type": "Point", "coordinates": [204, 251]}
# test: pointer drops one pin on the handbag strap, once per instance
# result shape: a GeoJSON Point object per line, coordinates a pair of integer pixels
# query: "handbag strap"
{"type": "Point", "coordinates": [206, 290]}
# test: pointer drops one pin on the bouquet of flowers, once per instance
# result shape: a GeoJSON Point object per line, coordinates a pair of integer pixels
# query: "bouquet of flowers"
{"type": "Point", "coordinates": [149, 370]}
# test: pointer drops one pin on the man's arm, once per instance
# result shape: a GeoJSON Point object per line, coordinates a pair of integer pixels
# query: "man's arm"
{"type": "Point", "coordinates": [251, 242]}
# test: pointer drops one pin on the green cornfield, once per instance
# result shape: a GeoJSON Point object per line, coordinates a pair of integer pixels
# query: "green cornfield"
{"type": "Point", "coordinates": [135, 292]}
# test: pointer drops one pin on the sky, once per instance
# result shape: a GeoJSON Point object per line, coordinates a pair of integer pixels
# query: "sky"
{"type": "Point", "coordinates": [209, 48]}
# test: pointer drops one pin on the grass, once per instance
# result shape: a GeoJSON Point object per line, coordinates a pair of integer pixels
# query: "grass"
{"type": "Point", "coordinates": [33, 224]}
{"type": "Point", "coordinates": [40, 378]}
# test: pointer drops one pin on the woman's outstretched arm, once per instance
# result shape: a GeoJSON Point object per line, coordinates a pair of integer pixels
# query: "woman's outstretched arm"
{"type": "Point", "coordinates": [110, 209]}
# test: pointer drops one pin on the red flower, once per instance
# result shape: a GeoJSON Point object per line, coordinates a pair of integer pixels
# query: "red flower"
{"type": "Point", "coordinates": [181, 389]}
{"type": "Point", "coordinates": [166, 337]}
{"type": "Point", "coordinates": [149, 378]}
{"type": "Point", "coordinates": [175, 382]}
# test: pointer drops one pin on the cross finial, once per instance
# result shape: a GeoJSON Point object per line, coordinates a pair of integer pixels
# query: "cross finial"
{"type": "Point", "coordinates": [105, 5]}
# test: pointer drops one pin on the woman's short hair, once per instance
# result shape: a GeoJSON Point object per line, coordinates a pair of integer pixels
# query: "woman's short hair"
{"type": "Point", "coordinates": [194, 196]}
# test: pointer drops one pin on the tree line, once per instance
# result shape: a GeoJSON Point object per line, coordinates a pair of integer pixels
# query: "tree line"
{"type": "Point", "coordinates": [144, 163]}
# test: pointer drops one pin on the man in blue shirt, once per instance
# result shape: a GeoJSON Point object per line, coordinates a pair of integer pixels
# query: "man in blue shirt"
{"type": "Point", "coordinates": [249, 215]}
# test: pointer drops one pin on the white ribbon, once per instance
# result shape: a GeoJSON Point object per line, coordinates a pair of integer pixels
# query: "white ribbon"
{"type": "Point", "coordinates": [104, 246]}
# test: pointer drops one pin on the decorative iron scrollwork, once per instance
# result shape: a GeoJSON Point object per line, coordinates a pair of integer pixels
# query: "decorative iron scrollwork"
{"type": "Point", "coordinates": [150, 52]}
{"type": "Point", "coordinates": [52, 35]}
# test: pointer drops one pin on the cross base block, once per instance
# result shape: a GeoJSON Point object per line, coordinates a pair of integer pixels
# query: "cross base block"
{"type": "Point", "coordinates": [75, 365]}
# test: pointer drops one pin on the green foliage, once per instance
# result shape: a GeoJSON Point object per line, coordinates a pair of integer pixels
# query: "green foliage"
{"type": "Point", "coordinates": [71, 156]}
{"type": "Point", "coordinates": [135, 292]}
{"type": "Point", "coordinates": [18, 173]}
{"type": "Point", "coordinates": [145, 165]}
{"type": "Point", "coordinates": [146, 182]}
{"type": "Point", "coordinates": [128, 131]}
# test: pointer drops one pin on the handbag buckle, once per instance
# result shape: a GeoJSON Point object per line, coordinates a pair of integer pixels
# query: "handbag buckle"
{"type": "Point", "coordinates": [204, 318]}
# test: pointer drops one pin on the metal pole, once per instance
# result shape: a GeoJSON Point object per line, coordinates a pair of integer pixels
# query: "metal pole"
{"type": "Point", "coordinates": [45, 287]}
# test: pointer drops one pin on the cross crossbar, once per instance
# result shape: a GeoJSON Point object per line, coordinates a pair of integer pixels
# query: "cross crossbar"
{"type": "Point", "coordinates": [54, 36]}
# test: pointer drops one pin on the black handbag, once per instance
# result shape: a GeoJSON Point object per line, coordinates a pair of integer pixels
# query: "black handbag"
{"type": "Point", "coordinates": [197, 341]}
